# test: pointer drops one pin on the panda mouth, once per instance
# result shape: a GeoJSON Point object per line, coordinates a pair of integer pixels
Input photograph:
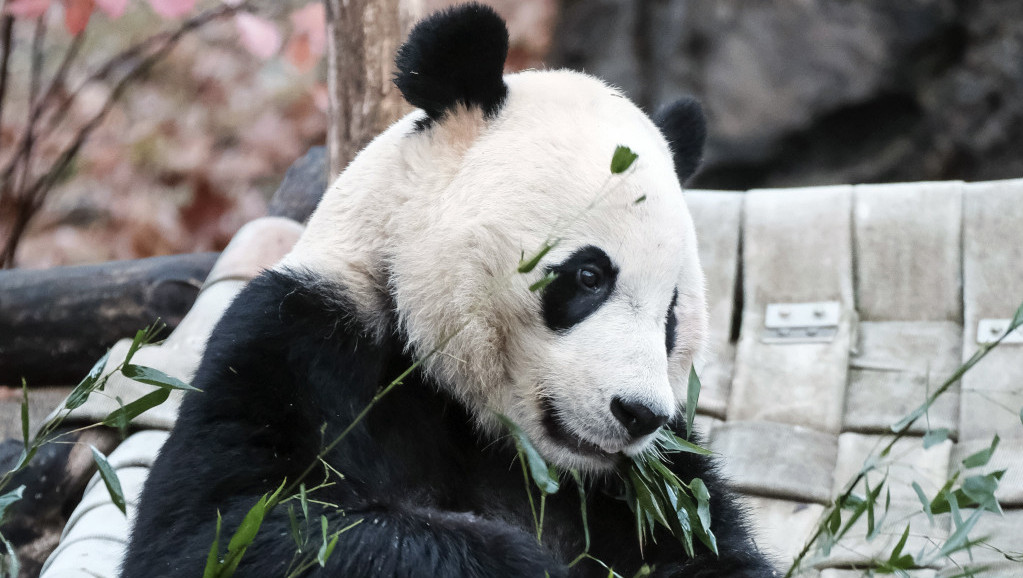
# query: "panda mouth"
{"type": "Point", "coordinates": [560, 433]}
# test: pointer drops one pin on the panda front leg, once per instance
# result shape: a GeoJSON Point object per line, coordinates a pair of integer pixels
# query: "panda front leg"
{"type": "Point", "coordinates": [405, 541]}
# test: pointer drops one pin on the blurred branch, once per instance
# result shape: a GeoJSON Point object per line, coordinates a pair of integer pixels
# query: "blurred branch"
{"type": "Point", "coordinates": [6, 38]}
{"type": "Point", "coordinates": [58, 321]}
{"type": "Point", "coordinates": [34, 76]}
{"type": "Point", "coordinates": [26, 196]}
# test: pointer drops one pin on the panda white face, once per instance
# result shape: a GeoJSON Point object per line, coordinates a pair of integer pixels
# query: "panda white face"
{"type": "Point", "coordinates": [603, 363]}
{"type": "Point", "coordinates": [427, 226]}
{"type": "Point", "coordinates": [591, 365]}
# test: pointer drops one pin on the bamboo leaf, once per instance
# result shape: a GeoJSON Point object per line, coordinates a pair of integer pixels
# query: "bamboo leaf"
{"type": "Point", "coordinates": [960, 538]}
{"type": "Point", "coordinates": [982, 457]}
{"type": "Point", "coordinates": [645, 498]}
{"type": "Point", "coordinates": [245, 534]}
{"type": "Point", "coordinates": [9, 563]}
{"type": "Point", "coordinates": [897, 550]}
{"type": "Point", "coordinates": [692, 398]}
{"type": "Point", "coordinates": [910, 418]}
{"type": "Point", "coordinates": [24, 414]}
{"type": "Point", "coordinates": [1017, 319]}
{"type": "Point", "coordinates": [212, 569]}
{"type": "Point", "coordinates": [136, 344]}
{"type": "Point", "coordinates": [153, 376]}
{"type": "Point", "coordinates": [582, 507]}
{"type": "Point", "coordinates": [541, 475]}
{"type": "Point", "coordinates": [9, 498]}
{"type": "Point", "coordinates": [296, 532]}
{"type": "Point", "coordinates": [981, 490]}
{"type": "Point", "coordinates": [81, 392]}
{"type": "Point", "coordinates": [935, 436]}
{"type": "Point", "coordinates": [326, 550]}
{"type": "Point", "coordinates": [122, 416]}
{"type": "Point", "coordinates": [924, 502]}
{"type": "Point", "coordinates": [109, 477]}
{"type": "Point", "coordinates": [671, 443]}
{"type": "Point", "coordinates": [622, 159]}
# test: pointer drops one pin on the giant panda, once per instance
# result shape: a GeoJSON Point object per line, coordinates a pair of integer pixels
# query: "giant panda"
{"type": "Point", "coordinates": [411, 261]}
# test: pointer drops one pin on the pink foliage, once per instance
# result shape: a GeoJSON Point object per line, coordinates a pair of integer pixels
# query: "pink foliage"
{"type": "Point", "coordinates": [27, 8]}
{"type": "Point", "coordinates": [258, 35]}
{"type": "Point", "coordinates": [112, 8]}
{"type": "Point", "coordinates": [172, 8]}
{"type": "Point", "coordinates": [308, 40]}
{"type": "Point", "coordinates": [76, 15]}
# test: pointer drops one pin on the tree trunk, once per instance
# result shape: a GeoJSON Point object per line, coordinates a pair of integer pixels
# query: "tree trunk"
{"type": "Point", "coordinates": [362, 37]}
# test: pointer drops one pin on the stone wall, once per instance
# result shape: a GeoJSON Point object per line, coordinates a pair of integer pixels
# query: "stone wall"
{"type": "Point", "coordinates": [820, 91]}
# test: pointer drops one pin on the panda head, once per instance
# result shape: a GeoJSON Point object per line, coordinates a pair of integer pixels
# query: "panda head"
{"type": "Point", "coordinates": [425, 229]}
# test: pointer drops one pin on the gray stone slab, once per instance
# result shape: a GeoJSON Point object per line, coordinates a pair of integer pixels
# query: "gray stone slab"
{"type": "Point", "coordinates": [718, 217]}
{"type": "Point", "coordinates": [836, 573]}
{"type": "Point", "coordinates": [1008, 456]}
{"type": "Point", "coordinates": [895, 366]}
{"type": "Point", "coordinates": [908, 462]}
{"type": "Point", "coordinates": [777, 460]}
{"type": "Point", "coordinates": [908, 251]}
{"type": "Point", "coordinates": [990, 569]}
{"type": "Point", "coordinates": [992, 392]}
{"type": "Point", "coordinates": [782, 527]}
{"type": "Point", "coordinates": [796, 248]}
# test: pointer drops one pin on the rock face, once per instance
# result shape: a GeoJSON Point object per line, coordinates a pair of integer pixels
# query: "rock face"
{"type": "Point", "coordinates": [821, 91]}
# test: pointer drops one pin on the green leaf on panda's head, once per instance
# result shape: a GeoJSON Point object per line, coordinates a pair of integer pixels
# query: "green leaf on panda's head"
{"type": "Point", "coordinates": [544, 281]}
{"type": "Point", "coordinates": [622, 159]}
{"type": "Point", "coordinates": [527, 266]}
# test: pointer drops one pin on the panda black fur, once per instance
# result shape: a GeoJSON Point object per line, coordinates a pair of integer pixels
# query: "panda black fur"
{"type": "Point", "coordinates": [410, 251]}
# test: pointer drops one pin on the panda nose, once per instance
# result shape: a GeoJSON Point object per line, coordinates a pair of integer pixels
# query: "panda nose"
{"type": "Point", "coordinates": [638, 419]}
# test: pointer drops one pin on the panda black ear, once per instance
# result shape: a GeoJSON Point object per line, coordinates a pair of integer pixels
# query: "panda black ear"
{"type": "Point", "coordinates": [454, 56]}
{"type": "Point", "coordinates": [683, 124]}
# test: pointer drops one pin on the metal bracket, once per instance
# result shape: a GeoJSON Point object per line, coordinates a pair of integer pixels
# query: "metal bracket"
{"type": "Point", "coordinates": [989, 330]}
{"type": "Point", "coordinates": [815, 322]}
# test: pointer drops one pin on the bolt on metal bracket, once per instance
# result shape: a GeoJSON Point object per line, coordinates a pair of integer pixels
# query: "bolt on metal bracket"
{"type": "Point", "coordinates": [989, 330]}
{"type": "Point", "coordinates": [815, 322]}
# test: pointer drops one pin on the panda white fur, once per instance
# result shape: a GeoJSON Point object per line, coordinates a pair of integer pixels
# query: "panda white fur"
{"type": "Point", "coordinates": [414, 249]}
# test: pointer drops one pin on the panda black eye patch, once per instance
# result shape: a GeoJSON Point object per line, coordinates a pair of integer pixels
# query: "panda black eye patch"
{"type": "Point", "coordinates": [671, 324]}
{"type": "Point", "coordinates": [583, 282]}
